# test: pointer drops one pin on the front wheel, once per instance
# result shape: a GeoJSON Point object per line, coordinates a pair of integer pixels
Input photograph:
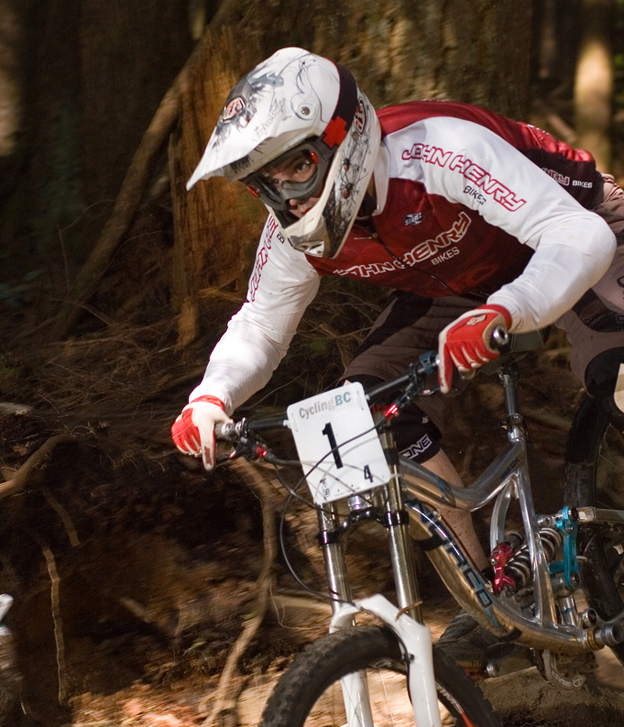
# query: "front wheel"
{"type": "Point", "coordinates": [309, 692]}
{"type": "Point", "coordinates": [594, 477]}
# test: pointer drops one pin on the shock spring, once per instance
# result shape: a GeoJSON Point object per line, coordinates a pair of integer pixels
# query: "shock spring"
{"type": "Point", "coordinates": [519, 564]}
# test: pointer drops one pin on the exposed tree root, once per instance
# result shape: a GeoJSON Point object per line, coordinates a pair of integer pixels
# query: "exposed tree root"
{"type": "Point", "coordinates": [21, 476]}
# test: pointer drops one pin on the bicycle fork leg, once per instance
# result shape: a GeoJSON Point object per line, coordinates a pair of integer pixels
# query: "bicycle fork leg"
{"type": "Point", "coordinates": [333, 553]}
{"type": "Point", "coordinates": [354, 686]}
{"type": "Point", "coordinates": [399, 538]}
{"type": "Point", "coordinates": [357, 700]}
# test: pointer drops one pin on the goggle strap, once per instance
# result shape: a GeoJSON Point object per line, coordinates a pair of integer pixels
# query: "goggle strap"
{"type": "Point", "coordinates": [343, 115]}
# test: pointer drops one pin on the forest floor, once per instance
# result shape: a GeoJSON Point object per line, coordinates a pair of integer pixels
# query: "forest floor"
{"type": "Point", "coordinates": [134, 573]}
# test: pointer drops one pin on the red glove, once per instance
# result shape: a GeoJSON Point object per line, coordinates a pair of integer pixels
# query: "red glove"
{"type": "Point", "coordinates": [193, 432]}
{"type": "Point", "coordinates": [467, 342]}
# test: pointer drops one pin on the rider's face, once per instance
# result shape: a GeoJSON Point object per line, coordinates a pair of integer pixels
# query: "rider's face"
{"type": "Point", "coordinates": [298, 168]}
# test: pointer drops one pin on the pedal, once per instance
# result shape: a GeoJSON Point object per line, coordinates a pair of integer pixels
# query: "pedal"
{"type": "Point", "coordinates": [566, 671]}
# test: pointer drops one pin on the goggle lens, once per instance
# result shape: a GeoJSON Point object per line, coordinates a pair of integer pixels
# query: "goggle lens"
{"type": "Point", "coordinates": [303, 171]}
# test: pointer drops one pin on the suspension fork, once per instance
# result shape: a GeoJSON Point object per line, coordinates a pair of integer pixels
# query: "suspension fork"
{"type": "Point", "coordinates": [396, 522]}
{"type": "Point", "coordinates": [417, 643]}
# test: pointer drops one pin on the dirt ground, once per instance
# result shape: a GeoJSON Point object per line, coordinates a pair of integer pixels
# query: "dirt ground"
{"type": "Point", "coordinates": [522, 699]}
{"type": "Point", "coordinates": [134, 574]}
{"type": "Point", "coordinates": [141, 624]}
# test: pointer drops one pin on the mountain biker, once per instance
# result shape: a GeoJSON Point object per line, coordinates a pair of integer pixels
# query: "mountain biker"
{"type": "Point", "coordinates": [472, 219]}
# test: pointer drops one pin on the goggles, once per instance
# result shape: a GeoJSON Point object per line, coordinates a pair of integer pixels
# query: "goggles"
{"type": "Point", "coordinates": [275, 193]}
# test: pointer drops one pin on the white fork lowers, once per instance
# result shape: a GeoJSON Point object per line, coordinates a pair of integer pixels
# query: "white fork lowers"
{"type": "Point", "coordinates": [415, 640]}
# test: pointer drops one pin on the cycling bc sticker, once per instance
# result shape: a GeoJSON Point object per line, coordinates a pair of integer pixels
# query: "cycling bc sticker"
{"type": "Point", "coordinates": [337, 443]}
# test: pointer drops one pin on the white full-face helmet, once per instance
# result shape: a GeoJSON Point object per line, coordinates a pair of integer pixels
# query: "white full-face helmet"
{"type": "Point", "coordinates": [296, 101]}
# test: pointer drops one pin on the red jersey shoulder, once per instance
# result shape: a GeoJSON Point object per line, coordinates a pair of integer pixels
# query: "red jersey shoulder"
{"type": "Point", "coordinates": [517, 133]}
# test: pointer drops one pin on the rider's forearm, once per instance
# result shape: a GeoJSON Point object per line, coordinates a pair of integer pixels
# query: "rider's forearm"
{"type": "Point", "coordinates": [556, 277]}
{"type": "Point", "coordinates": [241, 364]}
{"type": "Point", "coordinates": [281, 287]}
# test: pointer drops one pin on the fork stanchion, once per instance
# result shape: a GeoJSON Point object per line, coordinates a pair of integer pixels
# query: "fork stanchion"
{"type": "Point", "coordinates": [399, 541]}
{"type": "Point", "coordinates": [334, 555]}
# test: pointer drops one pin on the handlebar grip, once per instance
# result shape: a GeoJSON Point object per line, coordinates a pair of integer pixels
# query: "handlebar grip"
{"type": "Point", "coordinates": [228, 432]}
{"type": "Point", "coordinates": [500, 337]}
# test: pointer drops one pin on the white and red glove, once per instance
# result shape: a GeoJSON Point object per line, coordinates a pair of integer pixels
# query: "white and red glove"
{"type": "Point", "coordinates": [466, 343]}
{"type": "Point", "coordinates": [193, 432]}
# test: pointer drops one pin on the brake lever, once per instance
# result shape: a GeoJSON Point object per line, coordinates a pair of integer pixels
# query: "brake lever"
{"type": "Point", "coordinates": [245, 443]}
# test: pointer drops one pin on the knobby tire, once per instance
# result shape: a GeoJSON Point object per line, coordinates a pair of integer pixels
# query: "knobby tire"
{"type": "Point", "coordinates": [309, 693]}
{"type": "Point", "coordinates": [594, 477]}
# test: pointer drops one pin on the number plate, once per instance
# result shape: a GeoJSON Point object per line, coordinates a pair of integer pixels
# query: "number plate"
{"type": "Point", "coordinates": [337, 443]}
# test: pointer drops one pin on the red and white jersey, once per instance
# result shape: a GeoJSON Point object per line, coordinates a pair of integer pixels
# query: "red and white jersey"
{"type": "Point", "coordinates": [467, 202]}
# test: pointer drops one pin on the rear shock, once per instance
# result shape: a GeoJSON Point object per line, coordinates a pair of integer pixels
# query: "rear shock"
{"type": "Point", "coordinates": [511, 558]}
{"type": "Point", "coordinates": [519, 564]}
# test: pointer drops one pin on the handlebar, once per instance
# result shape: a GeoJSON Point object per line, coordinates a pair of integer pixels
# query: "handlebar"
{"type": "Point", "coordinates": [228, 432]}
{"type": "Point", "coordinates": [242, 432]}
{"type": "Point", "coordinates": [428, 364]}
{"type": "Point", "coordinates": [231, 432]}
{"type": "Point", "coordinates": [412, 383]}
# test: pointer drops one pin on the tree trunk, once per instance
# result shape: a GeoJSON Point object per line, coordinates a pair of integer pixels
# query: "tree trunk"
{"type": "Point", "coordinates": [212, 221]}
{"type": "Point", "coordinates": [92, 74]}
{"type": "Point", "coordinates": [130, 53]}
{"type": "Point", "coordinates": [593, 87]}
{"type": "Point", "coordinates": [55, 198]}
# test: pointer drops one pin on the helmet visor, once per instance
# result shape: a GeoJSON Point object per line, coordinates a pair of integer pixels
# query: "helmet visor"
{"type": "Point", "coordinates": [297, 174]}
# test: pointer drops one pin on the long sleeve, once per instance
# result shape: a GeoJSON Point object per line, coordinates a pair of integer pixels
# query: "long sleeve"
{"type": "Point", "coordinates": [281, 287]}
{"type": "Point", "coordinates": [467, 163]}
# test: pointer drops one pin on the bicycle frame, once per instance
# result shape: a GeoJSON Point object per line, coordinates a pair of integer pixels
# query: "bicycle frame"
{"type": "Point", "coordinates": [505, 478]}
{"type": "Point", "coordinates": [543, 617]}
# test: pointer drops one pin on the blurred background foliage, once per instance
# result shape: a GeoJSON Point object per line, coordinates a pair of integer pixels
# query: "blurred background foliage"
{"type": "Point", "coordinates": [80, 81]}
